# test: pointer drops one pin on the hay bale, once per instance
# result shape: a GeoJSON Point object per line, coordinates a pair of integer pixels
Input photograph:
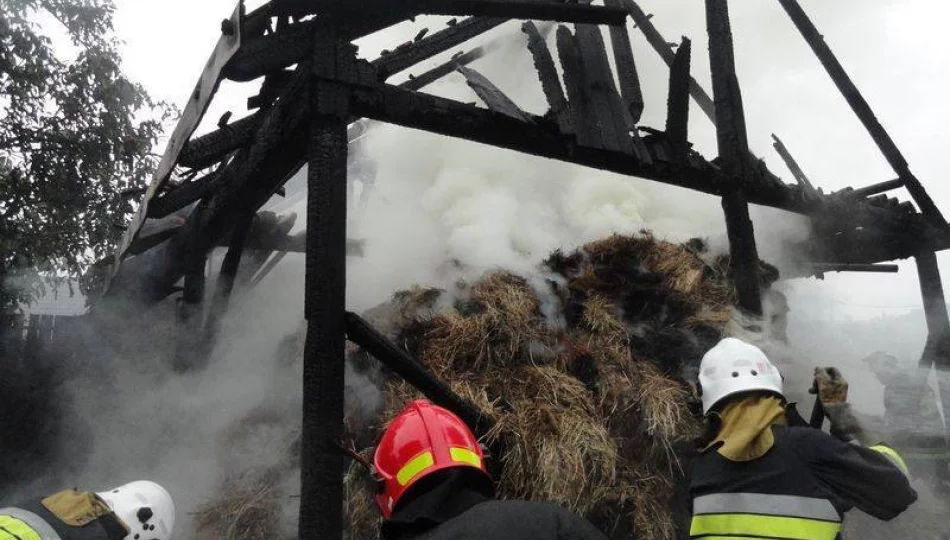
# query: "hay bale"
{"type": "Point", "coordinates": [590, 405]}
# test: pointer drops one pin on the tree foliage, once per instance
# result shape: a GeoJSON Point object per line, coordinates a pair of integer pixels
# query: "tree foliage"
{"type": "Point", "coordinates": [74, 134]}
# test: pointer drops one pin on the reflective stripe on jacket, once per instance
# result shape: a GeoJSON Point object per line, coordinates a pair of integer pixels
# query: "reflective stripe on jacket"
{"type": "Point", "coordinates": [799, 490]}
{"type": "Point", "coordinates": [19, 524]}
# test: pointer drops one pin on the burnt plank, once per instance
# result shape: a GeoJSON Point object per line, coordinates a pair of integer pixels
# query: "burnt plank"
{"type": "Point", "coordinates": [491, 95]}
{"type": "Point", "coordinates": [612, 117]}
{"type": "Point", "coordinates": [182, 196]}
{"type": "Point", "coordinates": [206, 150]}
{"type": "Point", "coordinates": [662, 46]}
{"type": "Point", "coordinates": [793, 165]}
{"type": "Point", "coordinates": [677, 104]}
{"type": "Point", "coordinates": [863, 111]}
{"type": "Point", "coordinates": [550, 82]}
{"type": "Point", "coordinates": [424, 79]}
{"type": "Point", "coordinates": [575, 80]}
{"type": "Point", "coordinates": [434, 44]}
{"type": "Point", "coordinates": [626, 66]}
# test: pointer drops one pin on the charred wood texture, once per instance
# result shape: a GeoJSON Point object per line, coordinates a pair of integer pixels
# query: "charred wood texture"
{"type": "Point", "coordinates": [206, 150]}
{"type": "Point", "coordinates": [793, 165]}
{"type": "Point", "coordinates": [434, 44]}
{"type": "Point", "coordinates": [550, 83]}
{"type": "Point", "coordinates": [662, 47]}
{"type": "Point", "coordinates": [525, 9]}
{"type": "Point", "coordinates": [401, 363]}
{"type": "Point", "coordinates": [188, 347]}
{"type": "Point", "coordinates": [861, 108]}
{"type": "Point", "coordinates": [321, 476]}
{"type": "Point", "coordinates": [937, 350]}
{"type": "Point", "coordinates": [613, 117]}
{"type": "Point", "coordinates": [575, 80]}
{"type": "Point", "coordinates": [493, 98]}
{"type": "Point", "coordinates": [733, 152]}
{"type": "Point", "coordinates": [626, 66]}
{"type": "Point", "coordinates": [181, 196]}
{"type": "Point", "coordinates": [225, 284]}
{"type": "Point", "coordinates": [422, 80]}
{"type": "Point", "coordinates": [873, 189]}
{"type": "Point", "coordinates": [677, 104]}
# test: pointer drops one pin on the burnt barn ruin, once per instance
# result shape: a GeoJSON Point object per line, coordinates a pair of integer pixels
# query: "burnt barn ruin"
{"type": "Point", "coordinates": [208, 189]}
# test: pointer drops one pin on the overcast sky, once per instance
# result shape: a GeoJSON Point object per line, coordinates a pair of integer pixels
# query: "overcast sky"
{"type": "Point", "coordinates": [893, 49]}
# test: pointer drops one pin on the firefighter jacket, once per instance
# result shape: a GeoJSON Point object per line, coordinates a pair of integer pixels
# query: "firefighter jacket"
{"type": "Point", "coordinates": [68, 515]}
{"type": "Point", "coordinates": [454, 509]}
{"type": "Point", "coordinates": [800, 489]}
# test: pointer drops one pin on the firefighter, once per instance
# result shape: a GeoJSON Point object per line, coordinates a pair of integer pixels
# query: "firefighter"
{"type": "Point", "coordinates": [139, 510]}
{"type": "Point", "coordinates": [433, 484]}
{"type": "Point", "coordinates": [762, 473]}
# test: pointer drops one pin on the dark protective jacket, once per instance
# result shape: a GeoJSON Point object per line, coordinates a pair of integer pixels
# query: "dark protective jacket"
{"type": "Point", "coordinates": [800, 489]}
{"type": "Point", "coordinates": [454, 509]}
{"type": "Point", "coordinates": [73, 519]}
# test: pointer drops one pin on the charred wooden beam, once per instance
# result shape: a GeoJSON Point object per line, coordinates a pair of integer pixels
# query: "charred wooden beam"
{"type": "Point", "coordinates": [550, 83]}
{"type": "Point", "coordinates": [822, 268]}
{"type": "Point", "coordinates": [677, 104]}
{"type": "Point", "coordinates": [626, 66]}
{"type": "Point", "coordinates": [734, 152]}
{"type": "Point", "coordinates": [793, 165]}
{"type": "Point", "coordinates": [935, 310]}
{"type": "Point", "coordinates": [321, 474]}
{"type": "Point", "coordinates": [612, 115]}
{"type": "Point", "coordinates": [400, 362]}
{"type": "Point", "coordinates": [434, 44]}
{"type": "Point", "coordinates": [873, 189]}
{"type": "Point", "coordinates": [863, 111]}
{"type": "Point", "coordinates": [208, 149]}
{"type": "Point", "coordinates": [275, 154]}
{"type": "Point", "coordinates": [663, 48]}
{"type": "Point", "coordinates": [575, 80]}
{"type": "Point", "coordinates": [297, 243]}
{"type": "Point", "coordinates": [194, 259]}
{"type": "Point", "coordinates": [225, 283]}
{"type": "Point", "coordinates": [491, 95]}
{"type": "Point", "coordinates": [422, 80]}
{"type": "Point", "coordinates": [526, 9]}
{"type": "Point", "coordinates": [181, 196]}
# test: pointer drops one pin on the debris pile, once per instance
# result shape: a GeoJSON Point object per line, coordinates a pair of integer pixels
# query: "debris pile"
{"type": "Point", "coordinates": [582, 367]}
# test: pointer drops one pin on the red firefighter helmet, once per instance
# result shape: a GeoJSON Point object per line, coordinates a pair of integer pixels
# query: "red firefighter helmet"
{"type": "Point", "coordinates": [423, 439]}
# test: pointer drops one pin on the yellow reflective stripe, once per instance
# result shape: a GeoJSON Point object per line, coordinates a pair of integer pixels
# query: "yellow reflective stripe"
{"type": "Point", "coordinates": [769, 526]}
{"type": "Point", "coordinates": [891, 455]}
{"type": "Point", "coordinates": [464, 455]}
{"type": "Point", "coordinates": [15, 529]}
{"type": "Point", "coordinates": [415, 466]}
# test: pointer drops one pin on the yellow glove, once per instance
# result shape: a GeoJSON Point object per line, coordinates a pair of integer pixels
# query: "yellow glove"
{"type": "Point", "coordinates": [830, 385]}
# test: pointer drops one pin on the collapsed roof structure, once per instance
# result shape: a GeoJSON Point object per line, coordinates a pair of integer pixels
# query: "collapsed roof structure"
{"type": "Point", "coordinates": [314, 86]}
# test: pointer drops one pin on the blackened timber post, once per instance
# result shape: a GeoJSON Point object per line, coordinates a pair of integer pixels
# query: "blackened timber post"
{"type": "Point", "coordinates": [321, 476]}
{"type": "Point", "coordinates": [935, 309]}
{"type": "Point", "coordinates": [937, 350]}
{"type": "Point", "coordinates": [733, 152]}
{"type": "Point", "coordinates": [190, 306]}
{"type": "Point", "coordinates": [863, 111]}
{"type": "Point", "coordinates": [225, 284]}
{"type": "Point", "coordinates": [677, 103]}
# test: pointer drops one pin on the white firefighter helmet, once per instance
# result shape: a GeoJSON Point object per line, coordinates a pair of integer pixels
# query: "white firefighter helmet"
{"type": "Point", "coordinates": [145, 507]}
{"type": "Point", "coordinates": [734, 366]}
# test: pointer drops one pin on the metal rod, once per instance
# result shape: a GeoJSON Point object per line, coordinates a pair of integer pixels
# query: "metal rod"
{"type": "Point", "coordinates": [861, 108]}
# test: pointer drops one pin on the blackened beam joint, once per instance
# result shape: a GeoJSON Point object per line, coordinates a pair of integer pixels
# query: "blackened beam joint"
{"type": "Point", "coordinates": [863, 111]}
{"type": "Point", "coordinates": [400, 362]}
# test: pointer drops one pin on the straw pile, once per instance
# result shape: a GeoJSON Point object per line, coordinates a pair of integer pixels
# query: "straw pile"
{"type": "Point", "coordinates": [583, 367]}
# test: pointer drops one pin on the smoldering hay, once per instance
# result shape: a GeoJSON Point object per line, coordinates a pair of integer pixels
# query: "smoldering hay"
{"type": "Point", "coordinates": [582, 365]}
